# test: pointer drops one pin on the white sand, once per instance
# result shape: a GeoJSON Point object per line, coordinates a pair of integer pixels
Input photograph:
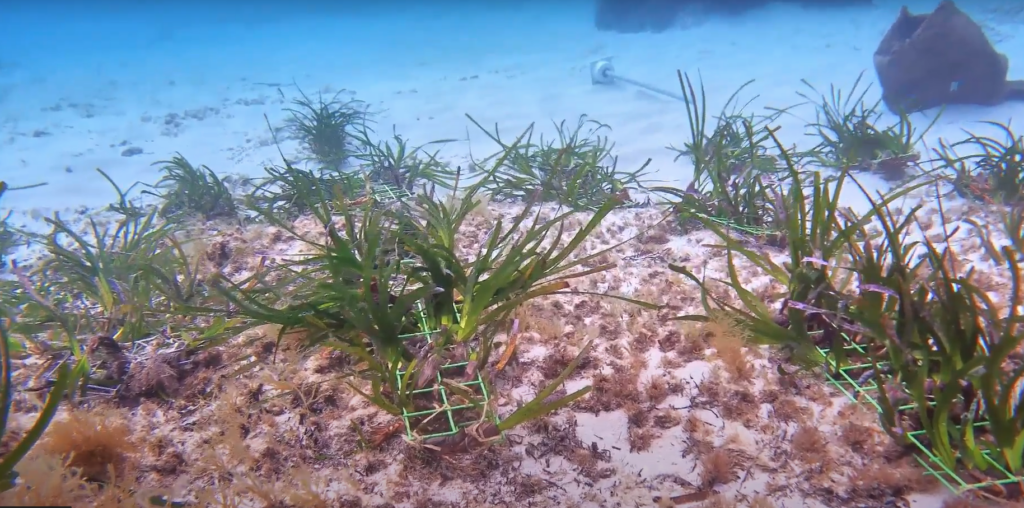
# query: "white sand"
{"type": "Point", "coordinates": [94, 81]}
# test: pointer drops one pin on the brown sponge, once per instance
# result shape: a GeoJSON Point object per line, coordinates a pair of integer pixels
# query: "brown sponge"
{"type": "Point", "coordinates": [928, 60]}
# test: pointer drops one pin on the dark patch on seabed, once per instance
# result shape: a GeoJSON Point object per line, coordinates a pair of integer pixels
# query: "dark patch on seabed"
{"type": "Point", "coordinates": [633, 16]}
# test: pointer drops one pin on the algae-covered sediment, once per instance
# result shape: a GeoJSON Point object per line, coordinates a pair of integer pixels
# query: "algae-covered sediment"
{"type": "Point", "coordinates": [371, 326]}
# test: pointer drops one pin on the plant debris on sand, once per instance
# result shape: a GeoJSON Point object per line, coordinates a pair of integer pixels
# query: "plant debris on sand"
{"type": "Point", "coordinates": [333, 348]}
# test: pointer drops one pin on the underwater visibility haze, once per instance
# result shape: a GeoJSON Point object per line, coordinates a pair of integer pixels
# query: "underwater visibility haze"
{"type": "Point", "coordinates": [515, 253]}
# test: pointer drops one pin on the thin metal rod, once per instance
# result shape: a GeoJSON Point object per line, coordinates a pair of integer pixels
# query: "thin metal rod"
{"type": "Point", "coordinates": [645, 86]}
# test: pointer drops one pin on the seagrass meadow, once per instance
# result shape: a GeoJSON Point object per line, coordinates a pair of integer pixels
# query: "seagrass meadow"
{"type": "Point", "coordinates": [367, 325]}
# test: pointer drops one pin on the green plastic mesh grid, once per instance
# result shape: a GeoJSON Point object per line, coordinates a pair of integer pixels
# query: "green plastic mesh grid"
{"type": "Point", "coordinates": [381, 195]}
{"type": "Point", "coordinates": [750, 230]}
{"type": "Point", "coordinates": [863, 391]}
{"type": "Point", "coordinates": [384, 194]}
{"type": "Point", "coordinates": [448, 413]}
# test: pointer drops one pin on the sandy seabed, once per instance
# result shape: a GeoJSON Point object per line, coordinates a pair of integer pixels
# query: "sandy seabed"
{"type": "Point", "coordinates": [679, 413]}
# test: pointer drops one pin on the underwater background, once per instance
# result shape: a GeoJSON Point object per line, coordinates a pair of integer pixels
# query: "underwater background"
{"type": "Point", "coordinates": [220, 241]}
{"type": "Point", "coordinates": [120, 85]}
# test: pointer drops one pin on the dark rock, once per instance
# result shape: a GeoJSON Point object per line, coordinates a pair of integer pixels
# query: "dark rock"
{"type": "Point", "coordinates": [131, 151]}
{"type": "Point", "coordinates": [930, 60]}
{"type": "Point", "coordinates": [632, 16]}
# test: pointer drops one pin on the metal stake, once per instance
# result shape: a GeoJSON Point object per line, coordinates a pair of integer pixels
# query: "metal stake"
{"type": "Point", "coordinates": [602, 72]}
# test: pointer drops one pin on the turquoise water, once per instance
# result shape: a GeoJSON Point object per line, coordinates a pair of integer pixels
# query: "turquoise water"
{"type": "Point", "coordinates": [82, 81]}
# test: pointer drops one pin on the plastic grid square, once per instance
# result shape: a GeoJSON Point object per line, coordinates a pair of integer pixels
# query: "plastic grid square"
{"type": "Point", "coordinates": [864, 392]}
{"type": "Point", "coordinates": [388, 194]}
{"type": "Point", "coordinates": [446, 411]}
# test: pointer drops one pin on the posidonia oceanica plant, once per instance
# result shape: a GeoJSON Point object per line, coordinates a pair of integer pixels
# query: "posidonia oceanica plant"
{"type": "Point", "coordinates": [11, 237]}
{"type": "Point", "coordinates": [943, 349]}
{"type": "Point", "coordinates": [97, 277]}
{"type": "Point", "coordinates": [397, 164]}
{"type": "Point", "coordinates": [994, 171]}
{"type": "Point", "coordinates": [188, 190]}
{"type": "Point", "coordinates": [326, 127]}
{"type": "Point", "coordinates": [115, 281]}
{"type": "Point", "coordinates": [947, 349]}
{"type": "Point", "coordinates": [290, 192]}
{"type": "Point", "coordinates": [734, 171]}
{"type": "Point", "coordinates": [816, 232]}
{"type": "Point", "coordinates": [9, 462]}
{"type": "Point", "coordinates": [388, 287]}
{"type": "Point", "coordinates": [854, 135]}
{"type": "Point", "coordinates": [576, 170]}
{"type": "Point", "coordinates": [528, 258]}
